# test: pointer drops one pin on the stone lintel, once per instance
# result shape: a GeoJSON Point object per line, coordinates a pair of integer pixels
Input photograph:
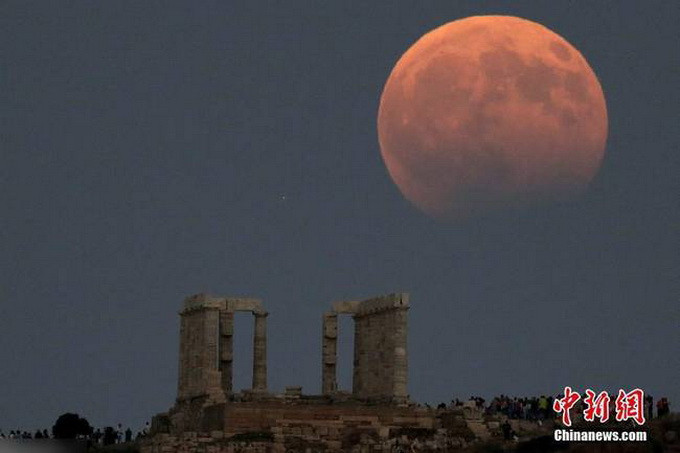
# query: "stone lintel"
{"type": "Point", "coordinates": [243, 304]}
{"type": "Point", "coordinates": [346, 307]}
{"type": "Point", "coordinates": [231, 304]}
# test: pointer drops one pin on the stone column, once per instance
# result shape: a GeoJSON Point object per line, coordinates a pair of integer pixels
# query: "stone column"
{"type": "Point", "coordinates": [358, 371]}
{"type": "Point", "coordinates": [226, 350]}
{"type": "Point", "coordinates": [400, 356]}
{"type": "Point", "coordinates": [210, 360]}
{"type": "Point", "coordinates": [184, 365]}
{"type": "Point", "coordinates": [329, 352]}
{"type": "Point", "coordinates": [260, 352]}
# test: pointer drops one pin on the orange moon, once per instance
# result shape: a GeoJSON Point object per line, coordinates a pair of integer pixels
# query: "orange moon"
{"type": "Point", "coordinates": [489, 113]}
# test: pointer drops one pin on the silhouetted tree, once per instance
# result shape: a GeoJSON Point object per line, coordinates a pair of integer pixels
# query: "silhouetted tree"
{"type": "Point", "coordinates": [109, 436]}
{"type": "Point", "coordinates": [70, 426]}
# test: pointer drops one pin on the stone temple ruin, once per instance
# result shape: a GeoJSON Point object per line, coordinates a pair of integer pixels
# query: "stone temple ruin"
{"type": "Point", "coordinates": [206, 351]}
{"type": "Point", "coordinates": [207, 403]}
{"type": "Point", "coordinates": [206, 357]}
{"type": "Point", "coordinates": [380, 362]}
{"type": "Point", "coordinates": [206, 348]}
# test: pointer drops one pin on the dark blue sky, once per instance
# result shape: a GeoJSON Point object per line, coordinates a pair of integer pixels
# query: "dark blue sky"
{"type": "Point", "coordinates": [152, 150]}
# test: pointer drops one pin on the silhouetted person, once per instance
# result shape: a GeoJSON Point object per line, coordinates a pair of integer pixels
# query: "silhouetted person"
{"type": "Point", "coordinates": [128, 435]}
{"type": "Point", "coordinates": [662, 407]}
{"type": "Point", "coordinates": [542, 407]}
{"type": "Point", "coordinates": [45, 434]}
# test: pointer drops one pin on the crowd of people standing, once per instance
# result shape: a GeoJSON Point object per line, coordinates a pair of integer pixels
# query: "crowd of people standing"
{"type": "Point", "coordinates": [19, 434]}
{"type": "Point", "coordinates": [101, 436]}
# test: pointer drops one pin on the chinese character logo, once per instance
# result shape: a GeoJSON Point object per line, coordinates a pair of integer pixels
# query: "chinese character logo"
{"type": "Point", "coordinates": [630, 406]}
{"type": "Point", "coordinates": [563, 405]}
{"type": "Point", "coordinates": [596, 406]}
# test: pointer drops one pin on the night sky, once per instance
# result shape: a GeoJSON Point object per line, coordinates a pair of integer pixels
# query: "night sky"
{"type": "Point", "coordinates": [154, 150]}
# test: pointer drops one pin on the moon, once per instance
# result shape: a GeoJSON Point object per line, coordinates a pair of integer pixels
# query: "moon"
{"type": "Point", "coordinates": [491, 113]}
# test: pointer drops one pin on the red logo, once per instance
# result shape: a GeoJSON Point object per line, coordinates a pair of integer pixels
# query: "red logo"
{"type": "Point", "coordinates": [565, 404]}
{"type": "Point", "coordinates": [598, 407]}
{"type": "Point", "coordinates": [627, 406]}
{"type": "Point", "coordinates": [630, 406]}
